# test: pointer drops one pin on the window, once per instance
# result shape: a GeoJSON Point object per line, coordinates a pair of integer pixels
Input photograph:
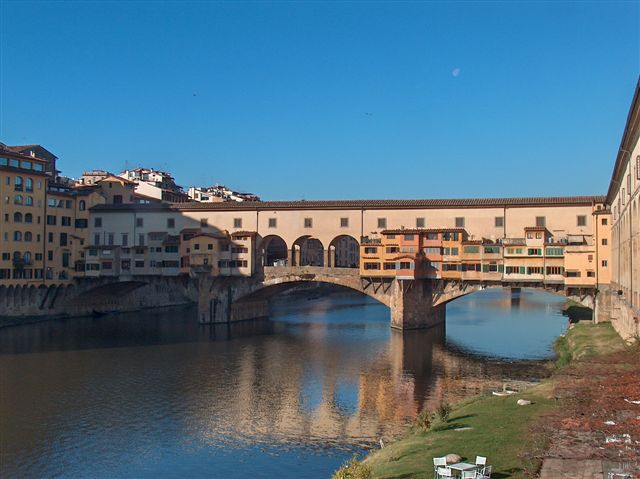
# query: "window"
{"type": "Point", "coordinates": [204, 222]}
{"type": "Point", "coordinates": [391, 237]}
{"type": "Point", "coordinates": [390, 249]}
{"type": "Point", "coordinates": [604, 263]}
{"type": "Point", "coordinates": [81, 223]}
{"type": "Point", "coordinates": [471, 249]}
{"type": "Point", "coordinates": [273, 222]}
{"type": "Point", "coordinates": [605, 242]}
{"type": "Point", "coordinates": [196, 246]}
{"type": "Point", "coordinates": [408, 237]}
{"type": "Point", "coordinates": [51, 220]}
{"type": "Point", "coordinates": [28, 184]}
{"type": "Point", "coordinates": [171, 223]}
{"type": "Point", "coordinates": [492, 249]}
{"type": "Point", "coordinates": [97, 222]}
{"type": "Point", "coordinates": [431, 250]}
{"type": "Point", "coordinates": [96, 239]}
{"type": "Point", "coordinates": [460, 222]}
{"type": "Point", "coordinates": [28, 236]}
{"type": "Point", "coordinates": [499, 221]}
{"type": "Point", "coordinates": [591, 274]}
{"type": "Point", "coordinates": [604, 221]}
{"type": "Point", "coordinates": [541, 221]}
{"type": "Point", "coordinates": [554, 251]}
{"type": "Point", "coordinates": [28, 218]}
{"type": "Point", "coordinates": [107, 265]}
{"type": "Point", "coordinates": [17, 236]}
{"type": "Point", "coordinates": [139, 263]}
{"type": "Point", "coordinates": [18, 183]}
{"type": "Point", "coordinates": [344, 222]}
{"type": "Point", "coordinates": [125, 239]}
{"type": "Point", "coordinates": [117, 199]}
{"type": "Point", "coordinates": [28, 200]}
{"type": "Point", "coordinates": [371, 250]}
{"type": "Point", "coordinates": [420, 223]}
{"type": "Point", "coordinates": [382, 223]}
{"type": "Point", "coordinates": [82, 205]}
{"type": "Point", "coordinates": [63, 239]}
{"type": "Point", "coordinates": [237, 222]}
{"type": "Point", "coordinates": [534, 251]}
{"type": "Point", "coordinates": [17, 217]}
{"type": "Point", "coordinates": [139, 222]}
{"type": "Point", "coordinates": [389, 266]}
{"type": "Point", "coordinates": [370, 266]}
{"type": "Point", "coordinates": [65, 221]}
{"type": "Point", "coordinates": [308, 222]}
{"type": "Point", "coordinates": [209, 246]}
{"type": "Point", "coordinates": [582, 220]}
{"type": "Point", "coordinates": [110, 239]}
{"type": "Point", "coordinates": [17, 200]}
{"type": "Point", "coordinates": [49, 255]}
{"type": "Point", "coordinates": [140, 240]}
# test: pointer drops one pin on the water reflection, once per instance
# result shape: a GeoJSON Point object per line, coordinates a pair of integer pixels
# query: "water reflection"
{"type": "Point", "coordinates": [150, 394]}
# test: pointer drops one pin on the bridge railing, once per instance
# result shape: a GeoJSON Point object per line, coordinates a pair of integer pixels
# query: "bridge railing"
{"type": "Point", "coordinates": [283, 270]}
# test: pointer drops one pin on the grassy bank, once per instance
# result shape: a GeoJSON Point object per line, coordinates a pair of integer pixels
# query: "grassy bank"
{"type": "Point", "coordinates": [498, 428]}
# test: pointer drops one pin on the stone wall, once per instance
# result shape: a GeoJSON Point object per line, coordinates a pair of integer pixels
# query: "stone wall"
{"type": "Point", "coordinates": [94, 296]}
{"type": "Point", "coordinates": [613, 307]}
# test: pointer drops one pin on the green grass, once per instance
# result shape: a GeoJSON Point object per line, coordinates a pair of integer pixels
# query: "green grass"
{"type": "Point", "coordinates": [498, 425]}
{"type": "Point", "coordinates": [500, 428]}
{"type": "Point", "coordinates": [586, 340]}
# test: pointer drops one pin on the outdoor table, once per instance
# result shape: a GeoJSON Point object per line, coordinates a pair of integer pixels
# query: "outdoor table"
{"type": "Point", "coordinates": [462, 466]}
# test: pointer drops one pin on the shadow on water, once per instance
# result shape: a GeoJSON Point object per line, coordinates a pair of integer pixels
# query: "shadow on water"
{"type": "Point", "coordinates": [144, 328]}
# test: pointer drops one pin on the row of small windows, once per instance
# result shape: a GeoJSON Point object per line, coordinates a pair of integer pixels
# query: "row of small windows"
{"type": "Point", "coordinates": [24, 164]}
{"type": "Point", "coordinates": [344, 222]}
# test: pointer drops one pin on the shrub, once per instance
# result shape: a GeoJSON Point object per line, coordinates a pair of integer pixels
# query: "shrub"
{"type": "Point", "coordinates": [423, 421]}
{"type": "Point", "coordinates": [353, 469]}
{"type": "Point", "coordinates": [444, 410]}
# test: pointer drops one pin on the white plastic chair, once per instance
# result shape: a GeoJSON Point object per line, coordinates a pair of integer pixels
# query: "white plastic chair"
{"type": "Point", "coordinates": [443, 472]}
{"type": "Point", "coordinates": [481, 461]}
{"type": "Point", "coordinates": [485, 474]}
{"type": "Point", "coordinates": [439, 462]}
{"type": "Point", "coordinates": [469, 475]}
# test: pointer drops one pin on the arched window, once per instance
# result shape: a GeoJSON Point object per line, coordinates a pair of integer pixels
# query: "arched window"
{"type": "Point", "coordinates": [17, 200]}
{"type": "Point", "coordinates": [17, 217]}
{"type": "Point", "coordinates": [18, 183]}
{"type": "Point", "coordinates": [28, 200]}
{"type": "Point", "coordinates": [82, 205]}
{"type": "Point", "coordinates": [17, 236]}
{"type": "Point", "coordinates": [27, 257]}
{"type": "Point", "coordinates": [28, 236]}
{"type": "Point", "coordinates": [28, 218]}
{"type": "Point", "coordinates": [28, 184]}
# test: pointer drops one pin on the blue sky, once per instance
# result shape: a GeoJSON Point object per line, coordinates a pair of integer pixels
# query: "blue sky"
{"type": "Point", "coordinates": [327, 100]}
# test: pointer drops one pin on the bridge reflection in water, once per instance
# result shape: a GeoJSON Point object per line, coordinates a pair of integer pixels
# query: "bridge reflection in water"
{"type": "Point", "coordinates": [141, 392]}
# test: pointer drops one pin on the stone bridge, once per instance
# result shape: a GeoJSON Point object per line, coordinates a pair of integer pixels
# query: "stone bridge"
{"type": "Point", "coordinates": [414, 304]}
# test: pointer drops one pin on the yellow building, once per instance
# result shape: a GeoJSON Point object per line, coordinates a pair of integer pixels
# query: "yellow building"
{"type": "Point", "coordinates": [23, 184]}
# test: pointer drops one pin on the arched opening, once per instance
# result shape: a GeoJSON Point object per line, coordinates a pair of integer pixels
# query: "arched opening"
{"type": "Point", "coordinates": [274, 251]}
{"type": "Point", "coordinates": [17, 217]}
{"type": "Point", "coordinates": [344, 252]}
{"type": "Point", "coordinates": [308, 251]}
{"type": "Point", "coordinates": [28, 218]}
{"type": "Point", "coordinates": [82, 205]}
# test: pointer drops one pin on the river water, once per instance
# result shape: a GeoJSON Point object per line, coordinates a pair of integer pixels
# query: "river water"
{"type": "Point", "coordinates": [154, 394]}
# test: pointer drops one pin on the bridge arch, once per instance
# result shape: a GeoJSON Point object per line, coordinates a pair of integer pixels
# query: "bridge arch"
{"type": "Point", "coordinates": [273, 250]}
{"type": "Point", "coordinates": [308, 251]}
{"type": "Point", "coordinates": [344, 252]}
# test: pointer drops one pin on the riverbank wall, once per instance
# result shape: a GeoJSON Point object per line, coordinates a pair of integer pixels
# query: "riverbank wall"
{"type": "Point", "coordinates": [93, 296]}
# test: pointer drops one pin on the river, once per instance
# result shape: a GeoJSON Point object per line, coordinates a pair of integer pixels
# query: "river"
{"type": "Point", "coordinates": [154, 394]}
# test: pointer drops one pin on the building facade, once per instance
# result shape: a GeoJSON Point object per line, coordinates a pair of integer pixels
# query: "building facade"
{"type": "Point", "coordinates": [623, 198]}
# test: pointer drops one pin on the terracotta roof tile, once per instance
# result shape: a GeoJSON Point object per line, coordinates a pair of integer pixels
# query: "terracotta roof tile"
{"type": "Point", "coordinates": [374, 204]}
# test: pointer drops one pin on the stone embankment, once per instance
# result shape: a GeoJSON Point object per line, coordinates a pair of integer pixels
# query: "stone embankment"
{"type": "Point", "coordinates": [93, 296]}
